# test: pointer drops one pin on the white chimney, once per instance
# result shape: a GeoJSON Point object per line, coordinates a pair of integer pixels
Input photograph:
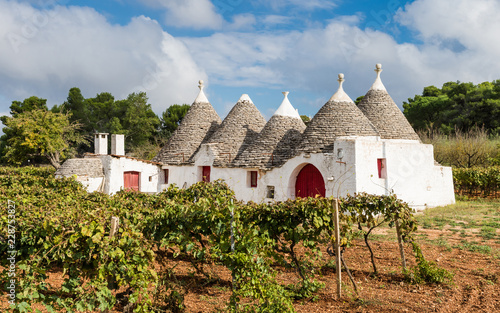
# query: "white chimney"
{"type": "Point", "coordinates": [118, 144]}
{"type": "Point", "coordinates": [101, 143]}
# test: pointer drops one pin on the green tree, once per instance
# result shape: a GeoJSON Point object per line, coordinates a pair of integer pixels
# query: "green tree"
{"type": "Point", "coordinates": [40, 132]}
{"type": "Point", "coordinates": [306, 119]}
{"type": "Point", "coordinates": [139, 122]}
{"type": "Point", "coordinates": [358, 99]}
{"type": "Point", "coordinates": [171, 119]}
{"type": "Point", "coordinates": [456, 105]}
{"type": "Point", "coordinates": [16, 108]}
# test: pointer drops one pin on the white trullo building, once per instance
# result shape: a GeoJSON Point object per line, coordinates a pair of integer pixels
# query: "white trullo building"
{"type": "Point", "coordinates": [345, 148]}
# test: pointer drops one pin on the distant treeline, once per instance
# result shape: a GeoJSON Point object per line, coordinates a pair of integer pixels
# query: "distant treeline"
{"type": "Point", "coordinates": [456, 106]}
{"type": "Point", "coordinates": [27, 137]}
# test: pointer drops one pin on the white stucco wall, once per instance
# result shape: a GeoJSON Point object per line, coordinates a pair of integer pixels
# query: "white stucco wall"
{"type": "Point", "coordinates": [114, 167]}
{"type": "Point", "coordinates": [91, 184]}
{"type": "Point", "coordinates": [411, 172]}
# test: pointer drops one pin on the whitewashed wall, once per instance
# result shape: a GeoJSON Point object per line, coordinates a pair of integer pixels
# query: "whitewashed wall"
{"type": "Point", "coordinates": [411, 172]}
{"type": "Point", "coordinates": [114, 167]}
{"type": "Point", "coordinates": [91, 184]}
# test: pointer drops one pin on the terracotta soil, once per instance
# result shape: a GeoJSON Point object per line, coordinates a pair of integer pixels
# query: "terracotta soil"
{"type": "Point", "coordinates": [476, 286]}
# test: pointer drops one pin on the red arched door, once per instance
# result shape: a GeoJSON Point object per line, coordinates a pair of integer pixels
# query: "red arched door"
{"type": "Point", "coordinates": [309, 182]}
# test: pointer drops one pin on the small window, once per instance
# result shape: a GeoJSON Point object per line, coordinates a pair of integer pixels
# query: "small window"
{"type": "Point", "coordinates": [165, 176]}
{"type": "Point", "coordinates": [150, 178]}
{"type": "Point", "coordinates": [270, 192]}
{"type": "Point", "coordinates": [382, 168]}
{"type": "Point", "coordinates": [253, 179]}
{"type": "Point", "coordinates": [103, 136]}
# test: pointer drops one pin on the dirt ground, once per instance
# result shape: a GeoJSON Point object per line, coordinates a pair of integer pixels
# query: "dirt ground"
{"type": "Point", "coordinates": [475, 287]}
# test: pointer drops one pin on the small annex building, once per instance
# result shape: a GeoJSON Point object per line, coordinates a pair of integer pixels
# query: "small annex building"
{"type": "Point", "coordinates": [344, 149]}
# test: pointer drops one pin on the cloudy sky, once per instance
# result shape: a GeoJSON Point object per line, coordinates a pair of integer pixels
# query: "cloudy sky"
{"type": "Point", "coordinates": [258, 47]}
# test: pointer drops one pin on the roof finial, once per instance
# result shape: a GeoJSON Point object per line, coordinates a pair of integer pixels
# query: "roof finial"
{"type": "Point", "coordinates": [377, 85]}
{"type": "Point", "coordinates": [201, 95]}
{"type": "Point", "coordinates": [286, 108]}
{"type": "Point", "coordinates": [341, 79]}
{"type": "Point", "coordinates": [245, 97]}
{"type": "Point", "coordinates": [340, 95]}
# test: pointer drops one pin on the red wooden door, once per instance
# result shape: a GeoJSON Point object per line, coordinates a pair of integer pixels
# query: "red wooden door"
{"type": "Point", "coordinates": [309, 182]}
{"type": "Point", "coordinates": [131, 180]}
{"type": "Point", "coordinates": [205, 176]}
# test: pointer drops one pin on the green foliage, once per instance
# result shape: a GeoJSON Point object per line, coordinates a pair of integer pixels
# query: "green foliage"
{"type": "Point", "coordinates": [305, 221]}
{"type": "Point", "coordinates": [358, 99]}
{"type": "Point", "coordinates": [60, 225]}
{"type": "Point", "coordinates": [16, 108]}
{"type": "Point", "coordinates": [371, 211]}
{"type": "Point", "coordinates": [477, 181]}
{"type": "Point", "coordinates": [132, 117]}
{"type": "Point", "coordinates": [40, 132]}
{"type": "Point", "coordinates": [456, 106]}
{"type": "Point", "coordinates": [171, 119]}
{"type": "Point", "coordinates": [426, 271]}
{"type": "Point", "coordinates": [463, 149]}
{"type": "Point", "coordinates": [306, 119]}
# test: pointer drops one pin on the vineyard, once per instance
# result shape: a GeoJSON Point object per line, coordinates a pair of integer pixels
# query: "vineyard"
{"type": "Point", "coordinates": [477, 181]}
{"type": "Point", "coordinates": [200, 234]}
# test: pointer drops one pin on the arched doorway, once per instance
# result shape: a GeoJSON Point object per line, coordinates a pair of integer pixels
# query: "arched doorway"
{"type": "Point", "coordinates": [309, 182]}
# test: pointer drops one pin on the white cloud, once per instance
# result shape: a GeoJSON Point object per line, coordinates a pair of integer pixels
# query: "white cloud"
{"type": "Point", "coordinates": [307, 5]}
{"type": "Point", "coordinates": [195, 14]}
{"type": "Point", "coordinates": [460, 37]}
{"type": "Point", "coordinates": [272, 20]}
{"type": "Point", "coordinates": [45, 53]}
{"type": "Point", "coordinates": [456, 46]}
{"type": "Point", "coordinates": [244, 21]}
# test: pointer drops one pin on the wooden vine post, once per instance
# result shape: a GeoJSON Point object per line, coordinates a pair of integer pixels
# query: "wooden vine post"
{"type": "Point", "coordinates": [115, 223]}
{"type": "Point", "coordinates": [400, 242]}
{"type": "Point", "coordinates": [338, 264]}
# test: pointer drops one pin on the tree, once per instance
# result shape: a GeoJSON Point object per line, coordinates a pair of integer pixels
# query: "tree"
{"type": "Point", "coordinates": [306, 119]}
{"type": "Point", "coordinates": [40, 132]}
{"type": "Point", "coordinates": [171, 119]}
{"type": "Point", "coordinates": [16, 108]}
{"type": "Point", "coordinates": [139, 122]}
{"type": "Point", "coordinates": [358, 99]}
{"type": "Point", "coordinates": [456, 105]}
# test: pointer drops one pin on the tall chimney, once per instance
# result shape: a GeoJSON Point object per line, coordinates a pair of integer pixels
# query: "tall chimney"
{"type": "Point", "coordinates": [101, 143]}
{"type": "Point", "coordinates": [118, 144]}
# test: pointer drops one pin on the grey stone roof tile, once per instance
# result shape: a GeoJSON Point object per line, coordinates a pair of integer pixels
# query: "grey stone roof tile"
{"type": "Point", "coordinates": [275, 144]}
{"type": "Point", "coordinates": [238, 130]}
{"type": "Point", "coordinates": [91, 167]}
{"type": "Point", "coordinates": [197, 126]}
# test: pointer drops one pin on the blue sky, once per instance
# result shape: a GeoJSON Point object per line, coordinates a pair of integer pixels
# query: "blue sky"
{"type": "Point", "coordinates": [257, 47]}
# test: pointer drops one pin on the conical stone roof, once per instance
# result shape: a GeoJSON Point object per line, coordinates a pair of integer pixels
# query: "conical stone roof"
{"type": "Point", "coordinates": [338, 117]}
{"type": "Point", "coordinates": [384, 114]}
{"type": "Point", "coordinates": [277, 141]}
{"type": "Point", "coordinates": [238, 130]}
{"type": "Point", "coordinates": [197, 126]}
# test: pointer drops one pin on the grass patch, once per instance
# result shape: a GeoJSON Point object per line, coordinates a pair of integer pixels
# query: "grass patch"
{"type": "Point", "coordinates": [440, 242]}
{"type": "Point", "coordinates": [474, 247]}
{"type": "Point", "coordinates": [463, 214]}
{"type": "Point", "coordinates": [488, 233]}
